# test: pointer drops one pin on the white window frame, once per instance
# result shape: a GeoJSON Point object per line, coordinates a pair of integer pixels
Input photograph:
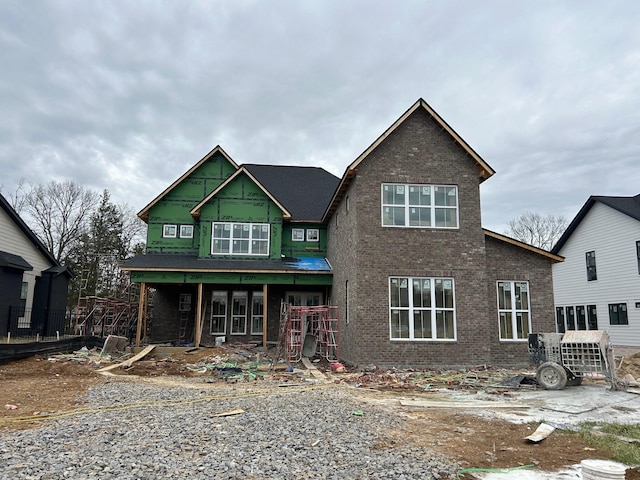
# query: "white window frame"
{"type": "Point", "coordinates": [408, 208]}
{"type": "Point", "coordinates": [252, 242]}
{"type": "Point", "coordinates": [297, 234]}
{"type": "Point", "coordinates": [220, 295]}
{"type": "Point", "coordinates": [257, 320]}
{"type": "Point", "coordinates": [186, 231]}
{"type": "Point", "coordinates": [169, 230]}
{"type": "Point", "coordinates": [313, 234]}
{"type": "Point", "coordinates": [513, 311]}
{"type": "Point", "coordinates": [241, 317]}
{"type": "Point", "coordinates": [432, 310]}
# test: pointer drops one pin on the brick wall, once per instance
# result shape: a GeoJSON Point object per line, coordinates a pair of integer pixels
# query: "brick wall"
{"type": "Point", "coordinates": [418, 151]}
{"type": "Point", "coordinates": [509, 262]}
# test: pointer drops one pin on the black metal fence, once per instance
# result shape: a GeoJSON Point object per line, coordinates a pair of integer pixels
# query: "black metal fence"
{"type": "Point", "coordinates": [33, 324]}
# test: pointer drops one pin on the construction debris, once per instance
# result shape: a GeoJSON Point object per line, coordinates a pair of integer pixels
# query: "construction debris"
{"type": "Point", "coordinates": [542, 432]}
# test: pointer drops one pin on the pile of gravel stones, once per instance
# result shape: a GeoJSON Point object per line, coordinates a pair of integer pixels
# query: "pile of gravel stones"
{"type": "Point", "coordinates": [136, 430]}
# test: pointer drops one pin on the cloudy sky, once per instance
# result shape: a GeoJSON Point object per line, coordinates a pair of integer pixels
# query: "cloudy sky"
{"type": "Point", "coordinates": [127, 95]}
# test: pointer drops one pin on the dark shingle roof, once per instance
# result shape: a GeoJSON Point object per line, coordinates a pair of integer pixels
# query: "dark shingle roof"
{"type": "Point", "coordinates": [191, 262]}
{"type": "Point", "coordinates": [304, 191]}
{"type": "Point", "coordinates": [628, 205]}
{"type": "Point", "coordinates": [10, 260]}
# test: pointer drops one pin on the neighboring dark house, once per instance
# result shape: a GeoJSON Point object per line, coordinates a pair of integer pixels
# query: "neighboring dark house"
{"type": "Point", "coordinates": [397, 244]}
{"type": "Point", "coordinates": [33, 285]}
{"type": "Point", "coordinates": [598, 286]}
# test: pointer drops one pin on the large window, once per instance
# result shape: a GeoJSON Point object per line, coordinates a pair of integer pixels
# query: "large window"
{"type": "Point", "coordinates": [618, 314]}
{"type": "Point", "coordinates": [240, 238]}
{"type": "Point", "coordinates": [257, 313]}
{"type": "Point", "coordinates": [422, 206]}
{"type": "Point", "coordinates": [421, 308]}
{"type": "Point", "coordinates": [218, 313]}
{"type": "Point", "coordinates": [239, 313]}
{"type": "Point", "coordinates": [513, 310]}
{"type": "Point", "coordinates": [591, 266]}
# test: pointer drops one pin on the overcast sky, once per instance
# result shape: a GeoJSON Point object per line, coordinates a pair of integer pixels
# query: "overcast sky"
{"type": "Point", "coordinates": [127, 95]}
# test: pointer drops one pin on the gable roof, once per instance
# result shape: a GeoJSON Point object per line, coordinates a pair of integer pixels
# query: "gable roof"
{"type": "Point", "coordinates": [628, 205]}
{"type": "Point", "coordinates": [144, 213]}
{"type": "Point", "coordinates": [485, 169]}
{"type": "Point", "coordinates": [6, 206]}
{"type": "Point", "coordinates": [303, 191]}
{"type": "Point", "coordinates": [526, 246]}
{"type": "Point", "coordinates": [195, 211]}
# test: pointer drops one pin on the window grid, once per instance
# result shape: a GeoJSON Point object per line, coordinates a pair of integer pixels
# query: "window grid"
{"type": "Point", "coordinates": [257, 313]}
{"type": "Point", "coordinates": [218, 319]}
{"type": "Point", "coordinates": [419, 206]}
{"type": "Point", "coordinates": [514, 311]}
{"type": "Point", "coordinates": [230, 238]}
{"type": "Point", "coordinates": [421, 308]}
{"type": "Point", "coordinates": [239, 313]}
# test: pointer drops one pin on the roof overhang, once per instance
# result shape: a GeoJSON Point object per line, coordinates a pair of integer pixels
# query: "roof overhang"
{"type": "Point", "coordinates": [551, 256]}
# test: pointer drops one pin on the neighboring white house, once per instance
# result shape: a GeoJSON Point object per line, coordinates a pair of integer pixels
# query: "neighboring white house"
{"type": "Point", "coordinates": [33, 284]}
{"type": "Point", "coordinates": [598, 284]}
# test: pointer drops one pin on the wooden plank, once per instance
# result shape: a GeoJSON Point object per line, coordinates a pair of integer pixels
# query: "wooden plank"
{"type": "Point", "coordinates": [229, 413]}
{"type": "Point", "coordinates": [198, 332]}
{"type": "Point", "coordinates": [141, 301]}
{"type": "Point", "coordinates": [312, 368]}
{"type": "Point", "coordinates": [129, 362]}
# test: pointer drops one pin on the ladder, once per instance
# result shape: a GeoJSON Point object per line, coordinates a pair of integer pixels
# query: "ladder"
{"type": "Point", "coordinates": [282, 335]}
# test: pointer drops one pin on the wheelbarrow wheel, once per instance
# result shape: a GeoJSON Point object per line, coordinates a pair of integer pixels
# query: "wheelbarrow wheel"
{"type": "Point", "coordinates": [551, 376]}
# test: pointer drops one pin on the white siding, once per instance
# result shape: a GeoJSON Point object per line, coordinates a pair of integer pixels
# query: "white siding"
{"type": "Point", "coordinates": [612, 236]}
{"type": "Point", "coordinates": [13, 240]}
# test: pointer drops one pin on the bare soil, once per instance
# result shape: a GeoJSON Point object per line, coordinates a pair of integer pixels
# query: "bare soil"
{"type": "Point", "coordinates": [38, 385]}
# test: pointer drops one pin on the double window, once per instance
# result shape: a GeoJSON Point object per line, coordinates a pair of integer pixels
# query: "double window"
{"type": "Point", "coordinates": [514, 311]}
{"type": "Point", "coordinates": [240, 238]}
{"type": "Point", "coordinates": [312, 235]}
{"type": "Point", "coordinates": [618, 314]}
{"type": "Point", "coordinates": [420, 206]}
{"type": "Point", "coordinates": [171, 231]}
{"type": "Point", "coordinates": [591, 266]}
{"type": "Point", "coordinates": [421, 308]}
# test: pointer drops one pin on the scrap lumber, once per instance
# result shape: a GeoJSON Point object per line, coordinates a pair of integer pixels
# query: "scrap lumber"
{"type": "Point", "coordinates": [229, 413]}
{"type": "Point", "coordinates": [129, 362]}
{"type": "Point", "coordinates": [312, 369]}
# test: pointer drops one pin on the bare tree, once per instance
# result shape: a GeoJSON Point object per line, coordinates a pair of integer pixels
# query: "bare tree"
{"type": "Point", "coordinates": [17, 198]}
{"type": "Point", "coordinates": [537, 230]}
{"type": "Point", "coordinates": [60, 212]}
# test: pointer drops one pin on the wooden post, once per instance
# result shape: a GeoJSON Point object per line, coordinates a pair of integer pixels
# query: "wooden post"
{"type": "Point", "coordinates": [264, 315]}
{"type": "Point", "coordinates": [198, 332]}
{"type": "Point", "coordinates": [141, 304]}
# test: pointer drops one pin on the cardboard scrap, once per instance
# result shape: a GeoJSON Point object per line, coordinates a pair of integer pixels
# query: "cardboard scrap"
{"type": "Point", "coordinates": [542, 432]}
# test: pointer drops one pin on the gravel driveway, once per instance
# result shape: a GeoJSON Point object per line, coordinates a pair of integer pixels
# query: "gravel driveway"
{"type": "Point", "coordinates": [136, 430]}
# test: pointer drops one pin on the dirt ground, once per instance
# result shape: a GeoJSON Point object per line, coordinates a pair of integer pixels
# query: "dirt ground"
{"type": "Point", "coordinates": [38, 386]}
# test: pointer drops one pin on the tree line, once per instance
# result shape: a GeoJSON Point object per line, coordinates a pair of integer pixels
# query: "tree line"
{"type": "Point", "coordinates": [84, 230]}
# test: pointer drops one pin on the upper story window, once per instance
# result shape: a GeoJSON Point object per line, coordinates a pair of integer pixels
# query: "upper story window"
{"type": "Point", "coordinates": [297, 234]}
{"type": "Point", "coordinates": [169, 231]}
{"type": "Point", "coordinates": [186, 231]}
{"type": "Point", "coordinates": [591, 266]}
{"type": "Point", "coordinates": [313, 235]}
{"type": "Point", "coordinates": [230, 238]}
{"type": "Point", "coordinates": [422, 206]}
{"type": "Point", "coordinates": [638, 254]}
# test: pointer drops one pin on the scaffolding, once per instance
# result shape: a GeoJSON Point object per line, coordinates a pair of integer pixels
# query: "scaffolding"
{"type": "Point", "coordinates": [113, 315]}
{"type": "Point", "coordinates": [311, 331]}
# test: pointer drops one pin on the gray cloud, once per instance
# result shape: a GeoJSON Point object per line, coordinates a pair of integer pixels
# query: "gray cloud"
{"type": "Point", "coordinates": [128, 95]}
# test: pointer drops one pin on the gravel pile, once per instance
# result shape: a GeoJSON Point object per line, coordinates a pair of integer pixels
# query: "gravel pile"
{"type": "Point", "coordinates": [144, 431]}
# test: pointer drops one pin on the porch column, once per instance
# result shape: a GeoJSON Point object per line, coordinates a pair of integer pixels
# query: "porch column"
{"type": "Point", "coordinates": [264, 315]}
{"type": "Point", "coordinates": [142, 300]}
{"type": "Point", "coordinates": [198, 332]}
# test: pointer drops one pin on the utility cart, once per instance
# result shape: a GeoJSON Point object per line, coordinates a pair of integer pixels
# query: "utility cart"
{"type": "Point", "coordinates": [565, 358]}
